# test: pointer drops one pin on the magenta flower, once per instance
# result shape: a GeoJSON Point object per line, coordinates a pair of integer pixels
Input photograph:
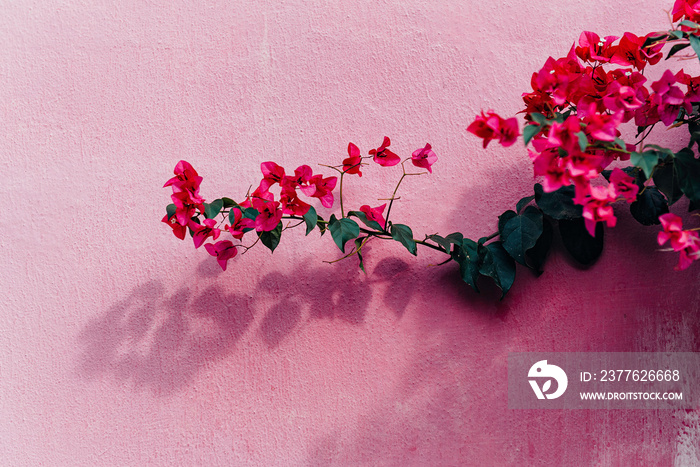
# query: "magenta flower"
{"type": "Point", "coordinates": [185, 178]}
{"type": "Point", "coordinates": [624, 185]}
{"type": "Point", "coordinates": [321, 188]}
{"type": "Point", "coordinates": [202, 232]}
{"type": "Point", "coordinates": [291, 204]}
{"type": "Point", "coordinates": [685, 241]}
{"type": "Point", "coordinates": [375, 214]}
{"type": "Point", "coordinates": [669, 98]}
{"type": "Point", "coordinates": [178, 230]}
{"type": "Point", "coordinates": [186, 207]}
{"type": "Point", "coordinates": [597, 207]}
{"type": "Point", "coordinates": [424, 157]}
{"type": "Point", "coordinates": [223, 250]}
{"type": "Point", "coordinates": [351, 165]}
{"type": "Point", "coordinates": [240, 224]}
{"type": "Point", "coordinates": [592, 47]}
{"type": "Point", "coordinates": [549, 165]}
{"type": "Point", "coordinates": [272, 173]}
{"type": "Point", "coordinates": [269, 215]}
{"type": "Point", "coordinates": [492, 126]}
{"type": "Point", "coordinates": [383, 156]}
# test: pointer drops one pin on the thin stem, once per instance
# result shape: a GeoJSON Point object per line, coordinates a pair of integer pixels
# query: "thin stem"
{"type": "Point", "coordinates": [342, 211]}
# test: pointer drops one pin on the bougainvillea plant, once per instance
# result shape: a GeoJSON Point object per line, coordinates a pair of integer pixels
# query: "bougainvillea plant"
{"type": "Point", "coordinates": [573, 116]}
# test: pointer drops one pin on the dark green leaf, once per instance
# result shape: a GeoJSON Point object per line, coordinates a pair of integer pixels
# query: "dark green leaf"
{"type": "Point", "coordinates": [666, 181]}
{"type": "Point", "coordinates": [404, 234]}
{"type": "Point", "coordinates": [467, 255]}
{"type": "Point", "coordinates": [447, 245]}
{"type": "Point", "coordinates": [524, 202]}
{"type": "Point", "coordinates": [650, 204]}
{"type": "Point", "coordinates": [558, 204]}
{"type": "Point", "coordinates": [665, 152]}
{"type": "Point", "coordinates": [170, 209]}
{"type": "Point", "coordinates": [211, 210]}
{"type": "Point", "coordinates": [675, 49]}
{"type": "Point", "coordinates": [688, 173]}
{"type": "Point", "coordinates": [498, 265]}
{"type": "Point", "coordinates": [342, 230]}
{"type": "Point", "coordinates": [521, 233]}
{"type": "Point", "coordinates": [646, 161]}
{"type": "Point", "coordinates": [272, 238]}
{"type": "Point", "coordinates": [695, 44]}
{"type": "Point", "coordinates": [251, 213]}
{"type": "Point", "coordinates": [693, 206]}
{"type": "Point", "coordinates": [688, 23]}
{"type": "Point", "coordinates": [229, 203]}
{"type": "Point", "coordinates": [363, 217]}
{"type": "Point", "coordinates": [322, 226]}
{"type": "Point", "coordinates": [529, 132]}
{"type": "Point", "coordinates": [579, 243]}
{"type": "Point", "coordinates": [455, 237]}
{"type": "Point", "coordinates": [504, 218]}
{"type": "Point", "coordinates": [653, 39]}
{"type": "Point", "coordinates": [536, 256]}
{"type": "Point", "coordinates": [358, 243]}
{"type": "Point", "coordinates": [311, 219]}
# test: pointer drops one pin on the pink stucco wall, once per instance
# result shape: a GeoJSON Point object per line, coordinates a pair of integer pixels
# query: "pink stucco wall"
{"type": "Point", "coordinates": [120, 345]}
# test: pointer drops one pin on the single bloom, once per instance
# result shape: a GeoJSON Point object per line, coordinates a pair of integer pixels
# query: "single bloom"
{"type": "Point", "coordinates": [384, 156]}
{"type": "Point", "coordinates": [223, 250]}
{"type": "Point", "coordinates": [269, 215]}
{"type": "Point", "coordinates": [624, 184]}
{"type": "Point", "coordinates": [203, 231]}
{"type": "Point", "coordinates": [597, 208]}
{"type": "Point", "coordinates": [351, 164]}
{"type": "Point", "coordinates": [178, 230]}
{"type": "Point", "coordinates": [375, 214]}
{"type": "Point", "coordinates": [424, 157]}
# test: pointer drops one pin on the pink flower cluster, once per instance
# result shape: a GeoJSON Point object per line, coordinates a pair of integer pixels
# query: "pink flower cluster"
{"type": "Point", "coordinates": [576, 107]}
{"type": "Point", "coordinates": [268, 210]}
{"type": "Point", "coordinates": [687, 242]}
{"type": "Point", "coordinates": [492, 126]}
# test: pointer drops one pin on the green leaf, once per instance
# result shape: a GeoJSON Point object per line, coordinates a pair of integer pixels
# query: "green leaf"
{"type": "Point", "coordinates": [498, 265]}
{"type": "Point", "coordinates": [579, 243]}
{"type": "Point", "coordinates": [170, 209]}
{"type": "Point", "coordinates": [211, 210]}
{"type": "Point", "coordinates": [677, 34]}
{"type": "Point", "coordinates": [272, 238]}
{"type": "Point", "coordinates": [688, 23]}
{"type": "Point", "coordinates": [666, 180]}
{"type": "Point", "coordinates": [675, 49]}
{"type": "Point", "coordinates": [582, 140]}
{"type": "Point", "coordinates": [358, 243]}
{"type": "Point", "coordinates": [558, 204]}
{"type": "Point", "coordinates": [529, 132]}
{"type": "Point", "coordinates": [404, 234]}
{"type": "Point", "coordinates": [229, 203]}
{"type": "Point", "coordinates": [688, 173]}
{"type": "Point", "coordinates": [535, 257]}
{"type": "Point", "coordinates": [695, 44]}
{"type": "Point", "coordinates": [467, 255]}
{"type": "Point", "coordinates": [538, 117]}
{"type": "Point", "coordinates": [504, 218]}
{"type": "Point", "coordinates": [652, 39]}
{"type": "Point", "coordinates": [311, 219]}
{"type": "Point", "coordinates": [342, 230]}
{"type": "Point", "coordinates": [646, 161]}
{"type": "Point", "coordinates": [524, 202]}
{"type": "Point", "coordinates": [668, 153]}
{"type": "Point", "coordinates": [322, 226]}
{"type": "Point", "coordinates": [363, 217]}
{"type": "Point", "coordinates": [251, 213]}
{"type": "Point", "coordinates": [649, 205]}
{"type": "Point", "coordinates": [521, 233]}
{"type": "Point", "coordinates": [455, 237]}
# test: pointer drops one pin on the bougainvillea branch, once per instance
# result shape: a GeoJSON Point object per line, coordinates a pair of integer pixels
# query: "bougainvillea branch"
{"type": "Point", "coordinates": [573, 116]}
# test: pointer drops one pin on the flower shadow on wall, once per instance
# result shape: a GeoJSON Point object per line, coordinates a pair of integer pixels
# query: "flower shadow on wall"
{"type": "Point", "coordinates": [160, 341]}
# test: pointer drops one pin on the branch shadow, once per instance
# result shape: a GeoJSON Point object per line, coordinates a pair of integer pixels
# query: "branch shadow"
{"type": "Point", "coordinates": [161, 343]}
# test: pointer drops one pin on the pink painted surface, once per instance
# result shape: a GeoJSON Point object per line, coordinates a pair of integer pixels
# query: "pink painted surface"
{"type": "Point", "coordinates": [120, 345]}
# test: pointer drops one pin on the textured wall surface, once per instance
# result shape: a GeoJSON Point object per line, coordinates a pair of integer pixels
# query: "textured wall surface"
{"type": "Point", "coordinates": [120, 345]}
